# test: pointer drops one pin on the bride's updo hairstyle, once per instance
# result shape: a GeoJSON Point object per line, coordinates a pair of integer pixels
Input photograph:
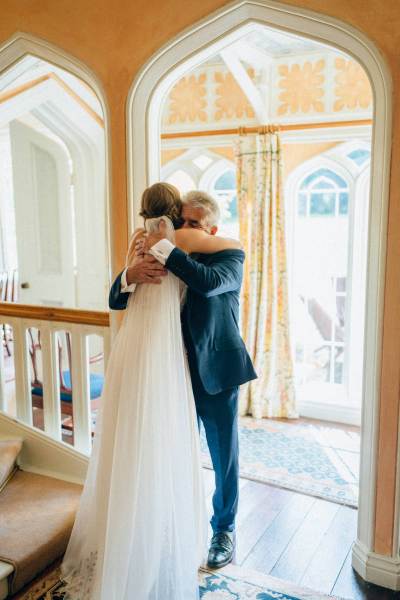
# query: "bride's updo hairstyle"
{"type": "Point", "coordinates": [162, 199]}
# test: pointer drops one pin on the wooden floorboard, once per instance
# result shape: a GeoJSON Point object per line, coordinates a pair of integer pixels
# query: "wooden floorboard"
{"type": "Point", "coordinates": [329, 556]}
{"type": "Point", "coordinates": [277, 536]}
{"type": "Point", "coordinates": [256, 522]}
{"type": "Point", "coordinates": [301, 548]}
{"type": "Point", "coordinates": [298, 538]}
{"type": "Point", "coordinates": [350, 585]}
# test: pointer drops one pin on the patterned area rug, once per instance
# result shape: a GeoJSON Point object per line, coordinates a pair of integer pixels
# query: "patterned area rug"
{"type": "Point", "coordinates": [230, 583]}
{"type": "Point", "coordinates": [312, 459]}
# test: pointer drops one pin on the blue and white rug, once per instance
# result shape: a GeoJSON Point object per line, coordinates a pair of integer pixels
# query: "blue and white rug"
{"type": "Point", "coordinates": [230, 583]}
{"type": "Point", "coordinates": [233, 583]}
{"type": "Point", "coordinates": [317, 460]}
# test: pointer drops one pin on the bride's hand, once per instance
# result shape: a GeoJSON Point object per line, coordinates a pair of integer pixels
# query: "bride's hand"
{"type": "Point", "coordinates": [139, 247]}
{"type": "Point", "coordinates": [132, 251]}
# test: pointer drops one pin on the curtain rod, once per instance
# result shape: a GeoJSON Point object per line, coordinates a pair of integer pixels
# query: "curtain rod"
{"type": "Point", "coordinates": [265, 129]}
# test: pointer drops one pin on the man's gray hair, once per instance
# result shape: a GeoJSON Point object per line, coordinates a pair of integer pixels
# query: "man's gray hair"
{"type": "Point", "coordinates": [199, 199]}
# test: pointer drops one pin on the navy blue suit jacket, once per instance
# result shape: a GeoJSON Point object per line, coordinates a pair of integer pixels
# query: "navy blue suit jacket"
{"type": "Point", "coordinates": [210, 316]}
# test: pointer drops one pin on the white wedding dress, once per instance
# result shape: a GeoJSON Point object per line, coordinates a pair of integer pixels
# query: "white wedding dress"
{"type": "Point", "coordinates": [141, 526]}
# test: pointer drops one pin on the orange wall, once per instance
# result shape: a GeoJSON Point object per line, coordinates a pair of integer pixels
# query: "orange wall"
{"type": "Point", "coordinates": [115, 38]}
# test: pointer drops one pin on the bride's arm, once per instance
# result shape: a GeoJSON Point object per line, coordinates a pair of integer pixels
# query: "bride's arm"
{"type": "Point", "coordinates": [197, 240]}
{"type": "Point", "coordinates": [136, 236]}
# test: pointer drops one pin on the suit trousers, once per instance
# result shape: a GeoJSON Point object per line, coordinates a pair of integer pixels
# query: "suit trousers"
{"type": "Point", "coordinates": [219, 415]}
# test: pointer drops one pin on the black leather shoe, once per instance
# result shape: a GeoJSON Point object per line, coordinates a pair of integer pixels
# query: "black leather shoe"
{"type": "Point", "coordinates": [221, 549]}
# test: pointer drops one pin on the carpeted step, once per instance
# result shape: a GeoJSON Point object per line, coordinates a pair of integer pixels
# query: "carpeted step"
{"type": "Point", "coordinates": [9, 450]}
{"type": "Point", "coordinates": [36, 518]}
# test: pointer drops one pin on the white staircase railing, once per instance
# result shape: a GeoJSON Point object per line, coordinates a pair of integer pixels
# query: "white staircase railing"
{"type": "Point", "coordinates": [80, 325]}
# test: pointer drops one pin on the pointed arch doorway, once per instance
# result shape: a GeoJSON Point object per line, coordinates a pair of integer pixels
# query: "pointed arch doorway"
{"type": "Point", "coordinates": [144, 107]}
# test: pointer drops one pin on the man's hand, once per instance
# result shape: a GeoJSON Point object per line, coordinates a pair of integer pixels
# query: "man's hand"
{"type": "Point", "coordinates": [145, 270]}
{"type": "Point", "coordinates": [153, 238]}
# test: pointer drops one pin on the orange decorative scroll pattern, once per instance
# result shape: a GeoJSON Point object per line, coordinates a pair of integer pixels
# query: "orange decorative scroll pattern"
{"type": "Point", "coordinates": [353, 89]}
{"type": "Point", "coordinates": [187, 100]}
{"type": "Point", "coordinates": [231, 102]}
{"type": "Point", "coordinates": [302, 87]}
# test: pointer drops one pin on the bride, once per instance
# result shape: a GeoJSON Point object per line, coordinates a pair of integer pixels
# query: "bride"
{"type": "Point", "coordinates": [141, 526]}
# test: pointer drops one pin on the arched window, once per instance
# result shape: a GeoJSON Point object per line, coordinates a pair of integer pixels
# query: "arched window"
{"type": "Point", "coordinates": [223, 190]}
{"type": "Point", "coordinates": [323, 193]}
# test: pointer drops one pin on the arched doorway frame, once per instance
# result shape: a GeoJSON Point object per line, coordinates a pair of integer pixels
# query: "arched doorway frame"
{"type": "Point", "coordinates": [22, 44]}
{"type": "Point", "coordinates": [189, 49]}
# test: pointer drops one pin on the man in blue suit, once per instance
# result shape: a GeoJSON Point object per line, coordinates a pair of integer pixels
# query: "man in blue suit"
{"type": "Point", "coordinates": [217, 356]}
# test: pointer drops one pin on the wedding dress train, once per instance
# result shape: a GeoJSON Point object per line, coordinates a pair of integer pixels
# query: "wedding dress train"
{"type": "Point", "coordinates": [141, 526]}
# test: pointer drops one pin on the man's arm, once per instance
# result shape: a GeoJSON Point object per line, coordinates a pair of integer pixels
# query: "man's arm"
{"type": "Point", "coordinates": [142, 270]}
{"type": "Point", "coordinates": [225, 275]}
{"type": "Point", "coordinates": [118, 300]}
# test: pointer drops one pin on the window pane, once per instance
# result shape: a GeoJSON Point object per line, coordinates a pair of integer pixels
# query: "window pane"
{"type": "Point", "coordinates": [233, 208]}
{"type": "Point", "coordinates": [321, 365]}
{"type": "Point", "coordinates": [226, 181]}
{"type": "Point", "coordinates": [343, 203]}
{"type": "Point", "coordinates": [323, 184]}
{"type": "Point", "coordinates": [302, 205]}
{"type": "Point", "coordinates": [359, 156]}
{"type": "Point", "coordinates": [229, 223]}
{"type": "Point", "coordinates": [327, 173]}
{"type": "Point", "coordinates": [322, 204]}
{"type": "Point", "coordinates": [340, 318]}
{"type": "Point", "coordinates": [341, 284]}
{"type": "Point", "coordinates": [338, 370]}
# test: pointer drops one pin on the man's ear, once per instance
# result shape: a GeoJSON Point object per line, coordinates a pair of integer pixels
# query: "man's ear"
{"type": "Point", "coordinates": [213, 230]}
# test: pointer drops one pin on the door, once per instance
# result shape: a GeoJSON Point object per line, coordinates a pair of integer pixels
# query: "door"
{"type": "Point", "coordinates": [328, 295]}
{"type": "Point", "coordinates": [43, 218]}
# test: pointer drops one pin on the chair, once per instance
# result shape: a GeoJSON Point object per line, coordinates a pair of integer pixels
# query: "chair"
{"type": "Point", "coordinates": [66, 385]}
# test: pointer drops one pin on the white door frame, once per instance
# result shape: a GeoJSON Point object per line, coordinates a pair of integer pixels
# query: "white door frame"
{"type": "Point", "coordinates": [329, 411]}
{"type": "Point", "coordinates": [21, 44]}
{"type": "Point", "coordinates": [144, 106]}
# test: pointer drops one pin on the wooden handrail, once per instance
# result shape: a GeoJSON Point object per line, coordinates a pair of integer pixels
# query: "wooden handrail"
{"type": "Point", "coordinates": [259, 129]}
{"type": "Point", "coordinates": [49, 313]}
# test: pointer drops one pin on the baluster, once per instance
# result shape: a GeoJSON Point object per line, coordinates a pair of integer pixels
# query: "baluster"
{"type": "Point", "coordinates": [81, 390]}
{"type": "Point", "coordinates": [51, 382]}
{"type": "Point", "coordinates": [22, 377]}
{"type": "Point", "coordinates": [3, 399]}
{"type": "Point", "coordinates": [106, 347]}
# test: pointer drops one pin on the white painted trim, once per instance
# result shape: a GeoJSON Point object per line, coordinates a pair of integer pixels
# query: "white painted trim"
{"type": "Point", "coordinates": [298, 136]}
{"type": "Point", "coordinates": [376, 568]}
{"type": "Point", "coordinates": [192, 47]}
{"type": "Point", "coordinates": [331, 159]}
{"type": "Point", "coordinates": [22, 44]}
{"type": "Point", "coordinates": [42, 454]}
{"type": "Point", "coordinates": [180, 164]}
{"type": "Point", "coordinates": [232, 60]}
{"type": "Point", "coordinates": [332, 412]}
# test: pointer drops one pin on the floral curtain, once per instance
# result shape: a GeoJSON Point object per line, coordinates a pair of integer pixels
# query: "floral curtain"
{"type": "Point", "coordinates": [264, 306]}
